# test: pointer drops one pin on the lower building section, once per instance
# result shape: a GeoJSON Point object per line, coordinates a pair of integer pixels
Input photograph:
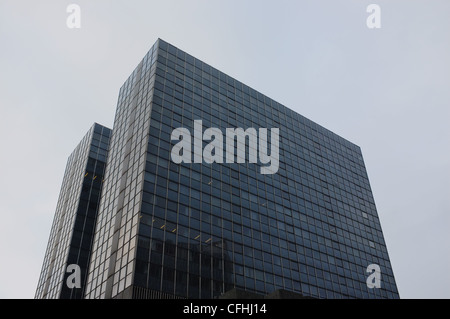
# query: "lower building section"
{"type": "Point", "coordinates": [134, 292]}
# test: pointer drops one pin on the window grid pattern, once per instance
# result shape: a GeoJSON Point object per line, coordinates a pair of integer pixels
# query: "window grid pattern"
{"type": "Point", "coordinates": [311, 228]}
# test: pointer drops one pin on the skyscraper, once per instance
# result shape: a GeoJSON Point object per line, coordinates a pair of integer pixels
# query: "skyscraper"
{"type": "Point", "coordinates": [74, 222]}
{"type": "Point", "coordinates": [211, 185]}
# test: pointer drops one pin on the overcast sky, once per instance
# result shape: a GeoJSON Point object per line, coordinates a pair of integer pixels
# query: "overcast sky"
{"type": "Point", "coordinates": [386, 90]}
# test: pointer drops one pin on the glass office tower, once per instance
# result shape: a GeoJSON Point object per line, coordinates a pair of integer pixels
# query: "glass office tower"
{"type": "Point", "coordinates": [73, 227]}
{"type": "Point", "coordinates": [198, 230]}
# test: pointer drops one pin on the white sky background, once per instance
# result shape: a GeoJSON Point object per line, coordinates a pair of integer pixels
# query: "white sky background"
{"type": "Point", "coordinates": [387, 90]}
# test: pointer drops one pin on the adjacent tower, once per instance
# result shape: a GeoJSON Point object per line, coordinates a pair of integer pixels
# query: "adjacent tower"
{"type": "Point", "coordinates": [76, 213]}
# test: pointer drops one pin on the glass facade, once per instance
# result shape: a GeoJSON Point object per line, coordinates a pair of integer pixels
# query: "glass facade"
{"type": "Point", "coordinates": [311, 228]}
{"type": "Point", "coordinates": [74, 222]}
{"type": "Point", "coordinates": [167, 230]}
